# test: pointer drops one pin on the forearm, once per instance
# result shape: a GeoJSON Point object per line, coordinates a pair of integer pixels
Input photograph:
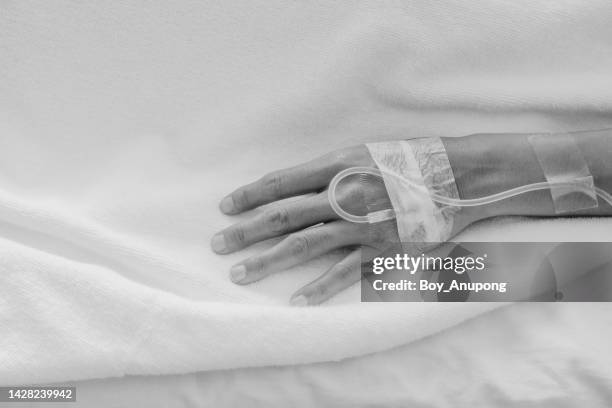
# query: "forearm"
{"type": "Point", "coordinates": [485, 164]}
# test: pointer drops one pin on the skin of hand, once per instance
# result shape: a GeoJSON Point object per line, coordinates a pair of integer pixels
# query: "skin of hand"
{"type": "Point", "coordinates": [482, 164]}
{"type": "Point", "coordinates": [311, 227]}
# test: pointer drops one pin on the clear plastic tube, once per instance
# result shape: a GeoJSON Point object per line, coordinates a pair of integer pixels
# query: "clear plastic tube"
{"type": "Point", "coordinates": [387, 214]}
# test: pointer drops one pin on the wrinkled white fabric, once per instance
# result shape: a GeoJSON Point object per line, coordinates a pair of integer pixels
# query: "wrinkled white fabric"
{"type": "Point", "coordinates": [530, 354]}
{"type": "Point", "coordinates": [122, 124]}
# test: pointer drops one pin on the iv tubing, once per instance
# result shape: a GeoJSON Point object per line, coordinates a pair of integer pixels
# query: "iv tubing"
{"type": "Point", "coordinates": [472, 202]}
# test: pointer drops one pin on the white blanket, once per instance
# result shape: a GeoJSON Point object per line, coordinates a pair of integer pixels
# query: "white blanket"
{"type": "Point", "coordinates": [534, 355]}
{"type": "Point", "coordinates": [122, 125]}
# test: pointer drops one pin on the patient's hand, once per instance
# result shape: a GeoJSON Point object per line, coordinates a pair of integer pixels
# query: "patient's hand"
{"type": "Point", "coordinates": [483, 164]}
{"type": "Point", "coordinates": [294, 217]}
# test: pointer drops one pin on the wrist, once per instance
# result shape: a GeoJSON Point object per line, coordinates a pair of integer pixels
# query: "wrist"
{"type": "Point", "coordinates": [485, 164]}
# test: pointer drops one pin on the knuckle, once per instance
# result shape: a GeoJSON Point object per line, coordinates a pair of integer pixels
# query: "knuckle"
{"type": "Point", "coordinates": [352, 196]}
{"type": "Point", "coordinates": [354, 191]}
{"type": "Point", "coordinates": [273, 184]}
{"type": "Point", "coordinates": [320, 291]}
{"type": "Point", "coordinates": [344, 272]}
{"type": "Point", "coordinates": [299, 245]}
{"type": "Point", "coordinates": [237, 236]}
{"type": "Point", "coordinates": [241, 198]}
{"type": "Point", "coordinates": [341, 158]}
{"type": "Point", "coordinates": [256, 265]}
{"type": "Point", "coordinates": [277, 220]}
{"type": "Point", "coordinates": [350, 156]}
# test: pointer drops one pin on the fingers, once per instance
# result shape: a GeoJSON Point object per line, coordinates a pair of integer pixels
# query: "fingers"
{"type": "Point", "coordinates": [295, 249]}
{"type": "Point", "coordinates": [301, 179]}
{"type": "Point", "coordinates": [342, 275]}
{"type": "Point", "coordinates": [274, 222]}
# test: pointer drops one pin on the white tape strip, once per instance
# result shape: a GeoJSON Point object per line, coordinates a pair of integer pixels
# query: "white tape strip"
{"type": "Point", "coordinates": [562, 161]}
{"type": "Point", "coordinates": [424, 164]}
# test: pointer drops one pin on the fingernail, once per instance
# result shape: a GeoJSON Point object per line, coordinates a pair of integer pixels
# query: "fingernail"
{"type": "Point", "coordinates": [227, 205]}
{"type": "Point", "coordinates": [218, 243]}
{"type": "Point", "coordinates": [299, 301]}
{"type": "Point", "coordinates": [238, 273]}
